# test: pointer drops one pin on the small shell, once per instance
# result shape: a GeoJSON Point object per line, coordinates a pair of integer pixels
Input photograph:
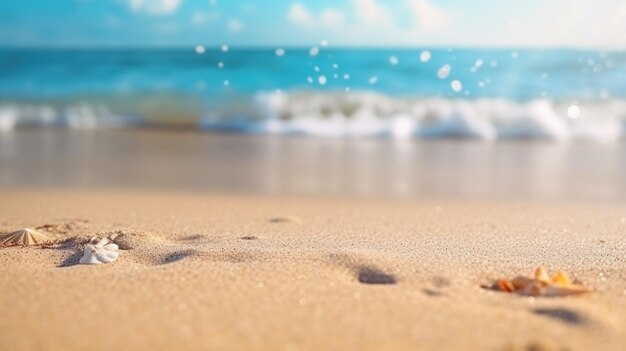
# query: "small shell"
{"type": "Point", "coordinates": [24, 237]}
{"type": "Point", "coordinates": [101, 252]}
{"type": "Point", "coordinates": [535, 288]}
{"type": "Point", "coordinates": [574, 289]}
{"type": "Point", "coordinates": [541, 285]}
{"type": "Point", "coordinates": [560, 278]}
{"type": "Point", "coordinates": [505, 285]}
{"type": "Point", "coordinates": [541, 275]}
{"type": "Point", "coordinates": [521, 282]}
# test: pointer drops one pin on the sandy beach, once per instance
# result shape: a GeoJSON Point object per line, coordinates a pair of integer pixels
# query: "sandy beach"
{"type": "Point", "coordinates": [312, 175]}
{"type": "Point", "coordinates": [225, 272]}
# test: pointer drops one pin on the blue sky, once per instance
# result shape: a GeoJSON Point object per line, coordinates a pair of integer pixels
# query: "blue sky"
{"type": "Point", "coordinates": [561, 23]}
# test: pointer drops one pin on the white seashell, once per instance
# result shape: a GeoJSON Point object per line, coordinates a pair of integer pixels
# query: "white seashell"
{"type": "Point", "coordinates": [101, 252]}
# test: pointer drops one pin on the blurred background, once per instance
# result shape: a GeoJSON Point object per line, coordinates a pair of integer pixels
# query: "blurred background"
{"type": "Point", "coordinates": [402, 98]}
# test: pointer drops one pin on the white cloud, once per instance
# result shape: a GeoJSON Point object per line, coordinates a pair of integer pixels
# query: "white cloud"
{"type": "Point", "coordinates": [429, 16]}
{"type": "Point", "coordinates": [371, 12]}
{"type": "Point", "coordinates": [300, 15]}
{"type": "Point", "coordinates": [332, 17]}
{"type": "Point", "coordinates": [578, 23]}
{"type": "Point", "coordinates": [575, 23]}
{"type": "Point", "coordinates": [372, 21]}
{"type": "Point", "coordinates": [153, 7]}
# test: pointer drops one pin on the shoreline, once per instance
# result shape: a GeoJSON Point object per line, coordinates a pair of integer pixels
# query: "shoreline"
{"type": "Point", "coordinates": [362, 168]}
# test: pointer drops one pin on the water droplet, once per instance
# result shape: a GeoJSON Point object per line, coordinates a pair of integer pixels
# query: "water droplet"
{"type": "Point", "coordinates": [393, 60]}
{"type": "Point", "coordinates": [573, 111]}
{"type": "Point", "coordinates": [280, 52]}
{"type": "Point", "coordinates": [200, 49]}
{"type": "Point", "coordinates": [324, 43]}
{"type": "Point", "coordinates": [314, 51]}
{"type": "Point", "coordinates": [373, 80]}
{"type": "Point", "coordinates": [346, 76]}
{"type": "Point", "coordinates": [425, 56]}
{"type": "Point", "coordinates": [220, 65]}
{"type": "Point", "coordinates": [456, 85]}
{"type": "Point", "coordinates": [444, 71]}
{"type": "Point", "coordinates": [225, 48]}
{"type": "Point", "coordinates": [322, 80]}
{"type": "Point", "coordinates": [226, 83]}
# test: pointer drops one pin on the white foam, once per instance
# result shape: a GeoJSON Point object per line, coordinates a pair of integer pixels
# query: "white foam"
{"type": "Point", "coordinates": [8, 119]}
{"type": "Point", "coordinates": [74, 116]}
{"type": "Point", "coordinates": [361, 114]}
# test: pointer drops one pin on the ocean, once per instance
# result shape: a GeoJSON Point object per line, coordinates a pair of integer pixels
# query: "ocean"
{"type": "Point", "coordinates": [487, 94]}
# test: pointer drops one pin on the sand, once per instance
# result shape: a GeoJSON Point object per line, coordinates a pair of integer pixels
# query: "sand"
{"type": "Point", "coordinates": [226, 272]}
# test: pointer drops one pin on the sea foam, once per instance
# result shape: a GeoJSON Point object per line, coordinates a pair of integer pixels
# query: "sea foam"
{"type": "Point", "coordinates": [366, 114]}
{"type": "Point", "coordinates": [353, 115]}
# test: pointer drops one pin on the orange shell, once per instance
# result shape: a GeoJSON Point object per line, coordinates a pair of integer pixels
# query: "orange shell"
{"type": "Point", "coordinates": [541, 285]}
{"type": "Point", "coordinates": [560, 278]}
{"type": "Point", "coordinates": [505, 285]}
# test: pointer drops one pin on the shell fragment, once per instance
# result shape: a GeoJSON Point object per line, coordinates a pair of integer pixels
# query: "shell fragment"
{"type": "Point", "coordinates": [100, 252]}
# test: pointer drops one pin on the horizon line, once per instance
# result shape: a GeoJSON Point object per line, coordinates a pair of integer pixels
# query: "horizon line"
{"type": "Point", "coordinates": [307, 47]}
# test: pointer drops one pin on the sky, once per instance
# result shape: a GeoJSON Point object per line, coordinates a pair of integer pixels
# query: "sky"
{"type": "Point", "coordinates": [286, 23]}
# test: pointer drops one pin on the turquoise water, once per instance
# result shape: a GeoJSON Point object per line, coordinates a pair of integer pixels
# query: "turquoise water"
{"type": "Point", "coordinates": [487, 93]}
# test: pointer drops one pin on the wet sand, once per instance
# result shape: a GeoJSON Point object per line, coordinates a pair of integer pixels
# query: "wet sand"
{"type": "Point", "coordinates": [413, 169]}
{"type": "Point", "coordinates": [300, 273]}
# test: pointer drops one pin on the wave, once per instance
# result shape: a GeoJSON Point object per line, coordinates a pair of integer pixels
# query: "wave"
{"type": "Point", "coordinates": [73, 116]}
{"type": "Point", "coordinates": [355, 114]}
{"type": "Point", "coordinates": [362, 114]}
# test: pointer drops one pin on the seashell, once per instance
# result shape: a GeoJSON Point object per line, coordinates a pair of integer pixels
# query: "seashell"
{"type": "Point", "coordinates": [24, 237]}
{"type": "Point", "coordinates": [541, 285]}
{"type": "Point", "coordinates": [521, 282]}
{"type": "Point", "coordinates": [541, 275]}
{"type": "Point", "coordinates": [505, 285]}
{"type": "Point", "coordinates": [102, 251]}
{"type": "Point", "coordinates": [560, 278]}
{"type": "Point", "coordinates": [574, 289]}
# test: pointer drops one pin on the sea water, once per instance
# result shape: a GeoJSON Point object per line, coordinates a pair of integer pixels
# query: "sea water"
{"type": "Point", "coordinates": [336, 92]}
